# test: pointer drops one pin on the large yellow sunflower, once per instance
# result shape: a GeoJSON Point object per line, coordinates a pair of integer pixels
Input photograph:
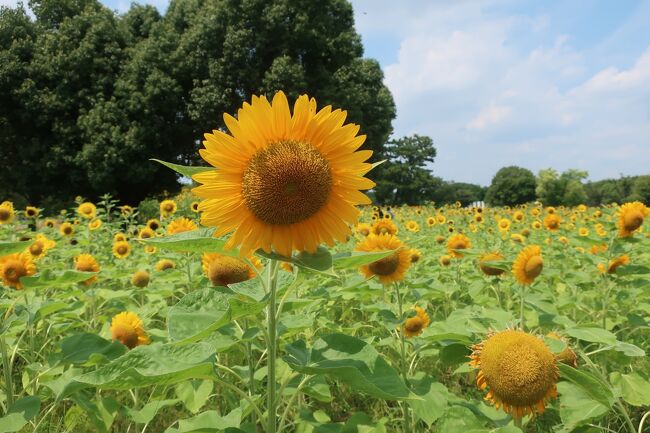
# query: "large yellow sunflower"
{"type": "Point", "coordinates": [517, 369]}
{"type": "Point", "coordinates": [283, 182]}
{"type": "Point", "coordinates": [222, 270]}
{"type": "Point", "coordinates": [66, 229]}
{"type": "Point", "coordinates": [384, 226]}
{"type": "Point", "coordinates": [388, 269]}
{"type": "Point", "coordinates": [87, 263]}
{"type": "Point", "coordinates": [180, 225]}
{"type": "Point", "coordinates": [31, 212]}
{"type": "Point", "coordinates": [552, 222]}
{"type": "Point", "coordinates": [121, 249]}
{"type": "Point", "coordinates": [127, 328]}
{"type": "Point", "coordinates": [528, 265]}
{"type": "Point", "coordinates": [15, 266]}
{"type": "Point", "coordinates": [630, 217]}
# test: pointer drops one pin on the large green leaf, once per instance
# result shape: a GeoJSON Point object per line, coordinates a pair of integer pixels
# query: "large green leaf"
{"type": "Point", "coordinates": [320, 261]}
{"type": "Point", "coordinates": [149, 410]}
{"type": "Point", "coordinates": [209, 422]}
{"type": "Point", "coordinates": [185, 170]}
{"type": "Point", "coordinates": [19, 414]}
{"type": "Point", "coordinates": [78, 348]}
{"type": "Point", "coordinates": [156, 364]}
{"type": "Point", "coordinates": [13, 247]}
{"type": "Point", "coordinates": [355, 259]}
{"type": "Point", "coordinates": [195, 241]}
{"type": "Point", "coordinates": [593, 386]}
{"type": "Point", "coordinates": [632, 387]}
{"type": "Point", "coordinates": [350, 360]}
{"type": "Point", "coordinates": [577, 407]}
{"type": "Point", "coordinates": [56, 279]}
{"type": "Point", "coordinates": [201, 313]}
{"type": "Point", "coordinates": [594, 335]}
{"type": "Point", "coordinates": [434, 401]}
{"type": "Point", "coordinates": [194, 393]}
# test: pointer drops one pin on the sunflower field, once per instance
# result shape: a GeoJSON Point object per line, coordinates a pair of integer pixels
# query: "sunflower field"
{"type": "Point", "coordinates": [275, 297]}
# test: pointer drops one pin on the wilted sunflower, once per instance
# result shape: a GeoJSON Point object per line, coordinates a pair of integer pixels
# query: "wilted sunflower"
{"type": "Point", "coordinates": [363, 229]}
{"type": "Point", "coordinates": [528, 264]}
{"type": "Point", "coordinates": [440, 239]}
{"type": "Point", "coordinates": [40, 246]}
{"type": "Point", "coordinates": [95, 224]}
{"type": "Point", "coordinates": [180, 225]}
{"type": "Point", "coordinates": [223, 270]}
{"type": "Point", "coordinates": [87, 210]}
{"type": "Point", "coordinates": [7, 213]}
{"type": "Point", "coordinates": [153, 224]}
{"type": "Point", "coordinates": [31, 212]}
{"type": "Point", "coordinates": [121, 249]}
{"type": "Point", "coordinates": [630, 217]}
{"type": "Point", "coordinates": [391, 268]}
{"type": "Point", "coordinates": [552, 222]}
{"type": "Point", "coordinates": [127, 328]}
{"type": "Point", "coordinates": [167, 207]}
{"type": "Point", "coordinates": [66, 229]}
{"type": "Point", "coordinates": [140, 278]}
{"type": "Point", "coordinates": [518, 371]}
{"type": "Point", "coordinates": [15, 266]}
{"type": "Point", "coordinates": [283, 182]}
{"type": "Point", "coordinates": [86, 263]}
{"type": "Point", "coordinates": [458, 242]}
{"type": "Point", "coordinates": [165, 264]}
{"type": "Point", "coordinates": [413, 326]}
{"type": "Point", "coordinates": [484, 263]}
{"type": "Point", "coordinates": [384, 226]}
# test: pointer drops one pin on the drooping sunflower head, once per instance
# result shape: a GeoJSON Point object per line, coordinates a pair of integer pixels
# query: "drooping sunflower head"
{"type": "Point", "coordinates": [552, 222]}
{"type": "Point", "coordinates": [284, 181]}
{"type": "Point", "coordinates": [128, 329]}
{"type": "Point", "coordinates": [567, 356]}
{"type": "Point", "coordinates": [458, 242]}
{"type": "Point", "coordinates": [363, 229]}
{"type": "Point", "coordinates": [66, 229]}
{"type": "Point", "coordinates": [630, 218]}
{"type": "Point", "coordinates": [87, 210]}
{"type": "Point", "coordinates": [413, 326]}
{"type": "Point", "coordinates": [15, 266]}
{"type": "Point", "coordinates": [165, 264]}
{"type": "Point", "coordinates": [31, 212]}
{"type": "Point", "coordinates": [95, 224]}
{"type": "Point", "coordinates": [615, 264]}
{"type": "Point", "coordinates": [153, 224]}
{"type": "Point", "coordinates": [518, 371]}
{"type": "Point", "coordinates": [384, 226]}
{"type": "Point", "coordinates": [180, 225]}
{"type": "Point", "coordinates": [528, 265]}
{"type": "Point", "coordinates": [121, 249]}
{"type": "Point", "coordinates": [140, 278]}
{"type": "Point", "coordinates": [167, 207]}
{"type": "Point", "coordinates": [86, 263]}
{"type": "Point", "coordinates": [484, 263]}
{"type": "Point", "coordinates": [223, 270]}
{"type": "Point", "coordinates": [391, 268]}
{"type": "Point", "coordinates": [7, 213]}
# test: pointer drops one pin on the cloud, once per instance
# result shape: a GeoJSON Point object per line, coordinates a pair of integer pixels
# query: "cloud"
{"type": "Point", "coordinates": [489, 116]}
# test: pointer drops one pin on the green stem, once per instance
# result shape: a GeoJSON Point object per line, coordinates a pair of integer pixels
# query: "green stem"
{"type": "Point", "coordinates": [519, 423]}
{"type": "Point", "coordinates": [626, 415]}
{"type": "Point", "coordinates": [251, 374]}
{"type": "Point", "coordinates": [522, 297]}
{"type": "Point", "coordinates": [6, 368]}
{"type": "Point", "coordinates": [272, 404]}
{"type": "Point", "coordinates": [403, 361]}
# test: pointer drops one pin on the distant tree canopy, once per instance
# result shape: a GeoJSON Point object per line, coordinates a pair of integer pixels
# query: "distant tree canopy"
{"type": "Point", "coordinates": [87, 97]}
{"type": "Point", "coordinates": [511, 186]}
{"type": "Point", "coordinates": [567, 189]}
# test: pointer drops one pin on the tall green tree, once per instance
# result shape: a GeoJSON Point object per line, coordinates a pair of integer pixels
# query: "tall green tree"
{"type": "Point", "coordinates": [561, 189]}
{"type": "Point", "coordinates": [404, 177]}
{"type": "Point", "coordinates": [88, 97]}
{"type": "Point", "coordinates": [511, 186]}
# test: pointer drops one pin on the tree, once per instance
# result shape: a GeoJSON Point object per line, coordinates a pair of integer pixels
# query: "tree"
{"type": "Point", "coordinates": [565, 189]}
{"type": "Point", "coordinates": [465, 193]}
{"type": "Point", "coordinates": [404, 178]}
{"type": "Point", "coordinates": [511, 186]}
{"type": "Point", "coordinates": [641, 190]}
{"type": "Point", "coordinates": [87, 97]}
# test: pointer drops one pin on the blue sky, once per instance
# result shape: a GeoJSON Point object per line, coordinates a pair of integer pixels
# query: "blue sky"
{"type": "Point", "coordinates": [562, 84]}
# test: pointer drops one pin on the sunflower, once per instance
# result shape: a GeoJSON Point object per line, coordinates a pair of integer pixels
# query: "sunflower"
{"type": "Point", "coordinates": [87, 210]}
{"type": "Point", "coordinates": [126, 210]}
{"type": "Point", "coordinates": [119, 237]}
{"type": "Point", "coordinates": [518, 216]}
{"type": "Point", "coordinates": [440, 239]}
{"type": "Point", "coordinates": [49, 223]}
{"type": "Point", "coordinates": [167, 207]}
{"type": "Point", "coordinates": [180, 225]}
{"type": "Point", "coordinates": [95, 224]}
{"type": "Point", "coordinates": [121, 249]}
{"type": "Point", "coordinates": [567, 356]}
{"type": "Point", "coordinates": [66, 229]}
{"type": "Point", "coordinates": [223, 270]}
{"type": "Point", "coordinates": [583, 231]}
{"type": "Point", "coordinates": [412, 226]}
{"type": "Point", "coordinates": [630, 217]}
{"type": "Point", "coordinates": [146, 233]}
{"type": "Point", "coordinates": [614, 264]}
{"type": "Point", "coordinates": [536, 225]}
{"type": "Point", "coordinates": [286, 266]}
{"type": "Point", "coordinates": [458, 242]}
{"type": "Point", "coordinates": [391, 268]}
{"type": "Point", "coordinates": [504, 225]}
{"type": "Point", "coordinates": [127, 328]}
{"type": "Point", "coordinates": [517, 238]}
{"type": "Point", "coordinates": [153, 224]}
{"type": "Point", "coordinates": [284, 182]}
{"type": "Point", "coordinates": [31, 212]}
{"type": "Point", "coordinates": [550, 210]}
{"type": "Point", "coordinates": [441, 219]}
{"type": "Point", "coordinates": [7, 213]}
{"type": "Point", "coordinates": [484, 263]}
{"type": "Point", "coordinates": [86, 263]}
{"type": "Point", "coordinates": [528, 265]}
{"type": "Point", "coordinates": [195, 206]}
{"type": "Point", "coordinates": [150, 249]}
{"type": "Point", "coordinates": [40, 246]}
{"type": "Point", "coordinates": [519, 372]}
{"type": "Point", "coordinates": [535, 211]}
{"type": "Point", "coordinates": [140, 279]}
{"type": "Point", "coordinates": [413, 326]}
{"type": "Point", "coordinates": [384, 226]}
{"type": "Point", "coordinates": [552, 222]}
{"type": "Point", "coordinates": [445, 260]}
{"type": "Point", "coordinates": [478, 218]}
{"type": "Point", "coordinates": [416, 255]}
{"type": "Point", "coordinates": [363, 229]}
{"type": "Point", "coordinates": [165, 264]}
{"type": "Point", "coordinates": [15, 266]}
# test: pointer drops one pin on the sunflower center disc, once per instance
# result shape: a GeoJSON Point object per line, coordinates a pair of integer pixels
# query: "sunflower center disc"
{"type": "Point", "coordinates": [13, 272]}
{"type": "Point", "coordinates": [226, 270]}
{"type": "Point", "coordinates": [413, 324]}
{"type": "Point", "coordinates": [534, 267]}
{"type": "Point", "coordinates": [36, 249]}
{"type": "Point", "coordinates": [633, 221]}
{"type": "Point", "coordinates": [4, 214]}
{"type": "Point", "coordinates": [286, 182]}
{"type": "Point", "coordinates": [385, 266]}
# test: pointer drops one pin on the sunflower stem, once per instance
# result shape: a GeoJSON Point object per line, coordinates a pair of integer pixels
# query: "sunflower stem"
{"type": "Point", "coordinates": [522, 293]}
{"type": "Point", "coordinates": [403, 361]}
{"type": "Point", "coordinates": [6, 368]}
{"type": "Point", "coordinates": [272, 403]}
{"type": "Point", "coordinates": [519, 423]}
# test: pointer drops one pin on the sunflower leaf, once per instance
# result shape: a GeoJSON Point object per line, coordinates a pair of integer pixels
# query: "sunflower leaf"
{"type": "Point", "coordinates": [195, 241]}
{"type": "Point", "coordinates": [13, 247]}
{"type": "Point", "coordinates": [355, 259]}
{"type": "Point", "coordinates": [185, 170]}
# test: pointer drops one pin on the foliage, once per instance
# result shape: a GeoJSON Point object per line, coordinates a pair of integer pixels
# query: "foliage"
{"type": "Point", "coordinates": [451, 192]}
{"type": "Point", "coordinates": [85, 93]}
{"type": "Point", "coordinates": [511, 186]}
{"type": "Point", "coordinates": [609, 190]}
{"type": "Point", "coordinates": [565, 189]}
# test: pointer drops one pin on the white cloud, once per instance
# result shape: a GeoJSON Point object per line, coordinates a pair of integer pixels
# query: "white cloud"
{"type": "Point", "coordinates": [489, 116]}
